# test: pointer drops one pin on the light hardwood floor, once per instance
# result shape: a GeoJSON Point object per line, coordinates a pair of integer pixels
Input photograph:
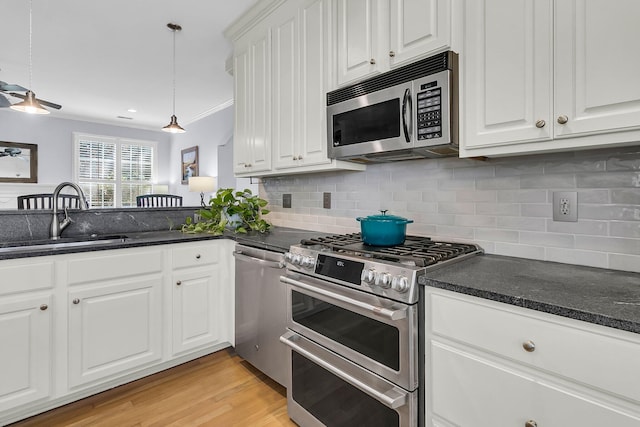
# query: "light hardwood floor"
{"type": "Point", "coordinates": [216, 390]}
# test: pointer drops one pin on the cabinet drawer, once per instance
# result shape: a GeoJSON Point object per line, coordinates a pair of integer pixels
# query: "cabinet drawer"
{"type": "Point", "coordinates": [26, 275]}
{"type": "Point", "coordinates": [585, 353]}
{"type": "Point", "coordinates": [115, 264]}
{"type": "Point", "coordinates": [186, 255]}
{"type": "Point", "coordinates": [470, 391]}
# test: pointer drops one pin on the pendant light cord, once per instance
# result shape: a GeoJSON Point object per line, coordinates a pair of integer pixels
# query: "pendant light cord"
{"type": "Point", "coordinates": [30, 43]}
{"type": "Point", "coordinates": [174, 71]}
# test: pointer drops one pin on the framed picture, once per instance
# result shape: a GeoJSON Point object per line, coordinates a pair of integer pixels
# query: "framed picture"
{"type": "Point", "coordinates": [189, 163]}
{"type": "Point", "coordinates": [18, 162]}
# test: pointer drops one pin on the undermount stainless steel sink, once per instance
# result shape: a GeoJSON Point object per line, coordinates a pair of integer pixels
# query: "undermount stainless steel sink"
{"type": "Point", "coordinates": [66, 242]}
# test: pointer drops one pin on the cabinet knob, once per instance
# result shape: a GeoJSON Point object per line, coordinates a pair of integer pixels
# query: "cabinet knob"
{"type": "Point", "coordinates": [299, 157]}
{"type": "Point", "coordinates": [529, 346]}
{"type": "Point", "coordinates": [179, 282]}
{"type": "Point", "coordinates": [43, 307]}
{"type": "Point", "coordinates": [295, 157]}
{"type": "Point", "coordinates": [563, 119]}
{"type": "Point", "coordinates": [531, 423]}
{"type": "Point", "coordinates": [76, 301]}
{"type": "Point", "coordinates": [372, 61]}
{"type": "Point", "coordinates": [392, 53]}
{"type": "Point", "coordinates": [540, 124]}
{"type": "Point", "coordinates": [257, 347]}
{"type": "Point", "coordinates": [198, 256]}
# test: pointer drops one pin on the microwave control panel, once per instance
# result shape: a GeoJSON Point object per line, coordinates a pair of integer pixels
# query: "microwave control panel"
{"type": "Point", "coordinates": [429, 111]}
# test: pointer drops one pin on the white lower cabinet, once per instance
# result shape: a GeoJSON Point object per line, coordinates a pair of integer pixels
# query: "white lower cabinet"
{"type": "Point", "coordinates": [113, 328]}
{"type": "Point", "coordinates": [119, 315]}
{"type": "Point", "coordinates": [493, 364]}
{"type": "Point", "coordinates": [25, 355]}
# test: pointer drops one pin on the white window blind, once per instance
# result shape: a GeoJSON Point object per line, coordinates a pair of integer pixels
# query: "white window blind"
{"type": "Point", "coordinates": [113, 171]}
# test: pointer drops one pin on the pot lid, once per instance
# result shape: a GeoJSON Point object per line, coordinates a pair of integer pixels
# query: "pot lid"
{"type": "Point", "coordinates": [384, 217]}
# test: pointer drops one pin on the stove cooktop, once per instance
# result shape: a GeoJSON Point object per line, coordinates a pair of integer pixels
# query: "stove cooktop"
{"type": "Point", "coordinates": [416, 250]}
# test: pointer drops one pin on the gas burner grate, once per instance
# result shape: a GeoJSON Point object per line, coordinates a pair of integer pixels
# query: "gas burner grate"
{"type": "Point", "coordinates": [418, 251]}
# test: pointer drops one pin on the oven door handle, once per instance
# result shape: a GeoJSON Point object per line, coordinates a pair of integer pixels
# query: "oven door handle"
{"type": "Point", "coordinates": [377, 310]}
{"type": "Point", "coordinates": [393, 402]}
{"type": "Point", "coordinates": [271, 264]}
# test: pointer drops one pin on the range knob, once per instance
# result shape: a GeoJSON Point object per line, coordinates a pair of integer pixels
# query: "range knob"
{"type": "Point", "coordinates": [368, 275]}
{"type": "Point", "coordinates": [297, 259]}
{"type": "Point", "coordinates": [383, 280]}
{"type": "Point", "coordinates": [400, 284]}
{"type": "Point", "coordinates": [288, 256]}
{"type": "Point", "coordinates": [308, 262]}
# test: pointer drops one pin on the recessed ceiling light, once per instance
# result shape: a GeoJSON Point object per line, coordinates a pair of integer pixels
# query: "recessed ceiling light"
{"type": "Point", "coordinates": [132, 110]}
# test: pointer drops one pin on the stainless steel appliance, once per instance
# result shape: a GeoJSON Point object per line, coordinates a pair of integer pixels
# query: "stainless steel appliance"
{"type": "Point", "coordinates": [355, 320]}
{"type": "Point", "coordinates": [410, 112]}
{"type": "Point", "coordinates": [260, 310]}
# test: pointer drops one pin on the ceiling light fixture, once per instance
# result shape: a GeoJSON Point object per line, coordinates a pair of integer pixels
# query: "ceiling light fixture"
{"type": "Point", "coordinates": [173, 126]}
{"type": "Point", "coordinates": [30, 104]}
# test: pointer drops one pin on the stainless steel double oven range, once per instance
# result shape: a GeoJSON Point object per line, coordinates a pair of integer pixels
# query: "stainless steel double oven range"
{"type": "Point", "coordinates": [355, 321]}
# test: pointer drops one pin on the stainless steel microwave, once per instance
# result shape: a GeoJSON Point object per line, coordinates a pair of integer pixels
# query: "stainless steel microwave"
{"type": "Point", "coordinates": [408, 113]}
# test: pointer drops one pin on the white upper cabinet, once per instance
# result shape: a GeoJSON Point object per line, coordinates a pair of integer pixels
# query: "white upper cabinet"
{"type": "Point", "coordinates": [549, 75]}
{"type": "Point", "coordinates": [252, 91]}
{"type": "Point", "coordinates": [417, 27]}
{"type": "Point", "coordinates": [376, 35]}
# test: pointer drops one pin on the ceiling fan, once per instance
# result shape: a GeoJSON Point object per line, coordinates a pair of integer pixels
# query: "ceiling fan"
{"type": "Point", "coordinates": [11, 89]}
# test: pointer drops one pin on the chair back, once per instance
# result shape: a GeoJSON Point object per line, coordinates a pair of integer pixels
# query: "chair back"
{"type": "Point", "coordinates": [45, 201]}
{"type": "Point", "coordinates": [158, 200]}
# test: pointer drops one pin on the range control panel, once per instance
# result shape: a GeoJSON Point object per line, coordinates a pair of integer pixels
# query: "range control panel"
{"type": "Point", "coordinates": [429, 111]}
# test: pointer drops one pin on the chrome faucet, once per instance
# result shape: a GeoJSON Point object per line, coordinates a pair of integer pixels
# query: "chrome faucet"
{"type": "Point", "coordinates": [57, 227]}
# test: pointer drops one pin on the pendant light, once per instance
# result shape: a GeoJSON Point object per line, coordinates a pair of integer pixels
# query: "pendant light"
{"type": "Point", "coordinates": [173, 126]}
{"type": "Point", "coordinates": [30, 104]}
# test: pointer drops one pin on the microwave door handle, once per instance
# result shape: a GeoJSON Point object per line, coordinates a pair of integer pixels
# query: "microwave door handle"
{"type": "Point", "coordinates": [391, 401]}
{"type": "Point", "coordinates": [406, 102]}
{"type": "Point", "coordinates": [377, 310]}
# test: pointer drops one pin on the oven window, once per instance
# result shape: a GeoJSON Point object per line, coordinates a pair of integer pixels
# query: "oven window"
{"type": "Point", "coordinates": [333, 401]}
{"type": "Point", "coordinates": [367, 336]}
{"type": "Point", "coordinates": [370, 123]}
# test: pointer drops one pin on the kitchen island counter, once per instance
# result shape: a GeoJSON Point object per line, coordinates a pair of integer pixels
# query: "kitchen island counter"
{"type": "Point", "coordinates": [600, 296]}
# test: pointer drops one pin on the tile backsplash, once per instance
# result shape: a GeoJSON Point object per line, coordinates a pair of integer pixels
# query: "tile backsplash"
{"type": "Point", "coordinates": [502, 204]}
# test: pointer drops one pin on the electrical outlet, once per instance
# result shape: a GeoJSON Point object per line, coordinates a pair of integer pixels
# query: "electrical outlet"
{"type": "Point", "coordinates": [565, 206]}
{"type": "Point", "coordinates": [286, 200]}
{"type": "Point", "coordinates": [326, 200]}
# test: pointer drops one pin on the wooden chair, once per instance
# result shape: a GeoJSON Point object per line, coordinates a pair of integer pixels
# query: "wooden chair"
{"type": "Point", "coordinates": [158, 200]}
{"type": "Point", "coordinates": [45, 201]}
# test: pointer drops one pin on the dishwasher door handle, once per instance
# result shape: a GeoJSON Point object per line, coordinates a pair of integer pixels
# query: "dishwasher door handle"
{"type": "Point", "coordinates": [271, 264]}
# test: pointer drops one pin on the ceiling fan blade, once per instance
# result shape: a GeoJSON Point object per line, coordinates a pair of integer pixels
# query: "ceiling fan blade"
{"type": "Point", "coordinates": [4, 102]}
{"type": "Point", "coordinates": [41, 101]}
{"type": "Point", "coordinates": [6, 87]}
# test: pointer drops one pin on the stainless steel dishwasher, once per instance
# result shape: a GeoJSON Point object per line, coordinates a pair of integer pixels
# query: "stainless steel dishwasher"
{"type": "Point", "coordinates": [261, 310]}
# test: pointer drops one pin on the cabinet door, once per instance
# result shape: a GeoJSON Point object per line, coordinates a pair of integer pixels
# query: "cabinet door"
{"type": "Point", "coordinates": [418, 28]}
{"type": "Point", "coordinates": [113, 329]}
{"type": "Point", "coordinates": [25, 358]}
{"type": "Point", "coordinates": [507, 72]}
{"type": "Point", "coordinates": [196, 310]}
{"type": "Point", "coordinates": [261, 102]}
{"type": "Point", "coordinates": [470, 391]}
{"type": "Point", "coordinates": [358, 39]}
{"type": "Point", "coordinates": [314, 80]}
{"type": "Point", "coordinates": [285, 103]}
{"type": "Point", "coordinates": [597, 65]}
{"type": "Point", "coordinates": [242, 129]}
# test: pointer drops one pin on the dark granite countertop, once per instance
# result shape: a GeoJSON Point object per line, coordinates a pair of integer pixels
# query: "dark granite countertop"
{"type": "Point", "coordinates": [278, 239]}
{"type": "Point", "coordinates": [604, 297]}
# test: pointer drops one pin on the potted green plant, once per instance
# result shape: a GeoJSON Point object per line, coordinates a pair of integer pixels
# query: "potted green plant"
{"type": "Point", "coordinates": [240, 211]}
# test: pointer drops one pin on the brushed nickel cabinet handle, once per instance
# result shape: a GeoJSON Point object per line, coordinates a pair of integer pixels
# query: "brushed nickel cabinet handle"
{"type": "Point", "coordinates": [372, 61]}
{"type": "Point", "coordinates": [563, 119]}
{"type": "Point", "coordinates": [198, 256]}
{"type": "Point", "coordinates": [179, 282]}
{"type": "Point", "coordinates": [76, 301]}
{"type": "Point", "coordinates": [392, 53]}
{"type": "Point", "coordinates": [540, 124]}
{"type": "Point", "coordinates": [531, 423]}
{"type": "Point", "coordinates": [529, 346]}
{"type": "Point", "coordinates": [43, 307]}
{"type": "Point", "coordinates": [295, 157]}
{"type": "Point", "coordinates": [299, 157]}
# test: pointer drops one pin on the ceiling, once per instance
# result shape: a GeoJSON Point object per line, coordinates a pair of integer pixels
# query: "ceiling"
{"type": "Point", "coordinates": [99, 59]}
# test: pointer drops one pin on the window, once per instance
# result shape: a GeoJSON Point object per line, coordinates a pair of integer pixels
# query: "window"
{"type": "Point", "coordinates": [113, 171]}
